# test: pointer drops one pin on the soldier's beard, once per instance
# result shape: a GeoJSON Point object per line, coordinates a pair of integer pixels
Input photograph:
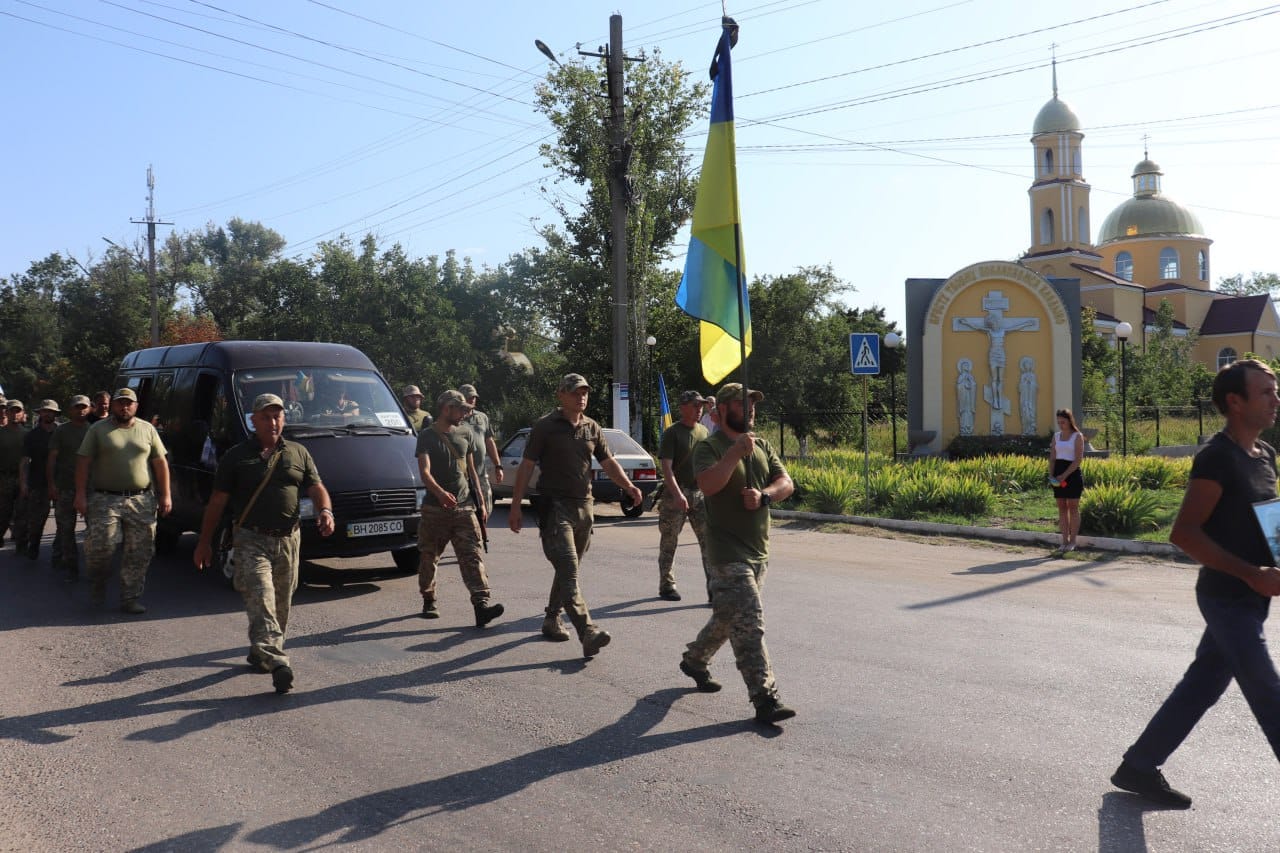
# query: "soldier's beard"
{"type": "Point", "coordinates": [123, 420]}
{"type": "Point", "coordinates": [737, 423]}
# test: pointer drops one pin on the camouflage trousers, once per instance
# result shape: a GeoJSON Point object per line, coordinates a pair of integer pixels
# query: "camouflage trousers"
{"type": "Point", "coordinates": [737, 615]}
{"type": "Point", "coordinates": [13, 515]}
{"type": "Point", "coordinates": [671, 521]}
{"type": "Point", "coordinates": [566, 535]}
{"type": "Point", "coordinates": [265, 572]}
{"type": "Point", "coordinates": [439, 527]}
{"type": "Point", "coordinates": [110, 520]}
{"type": "Point", "coordinates": [65, 555]}
{"type": "Point", "coordinates": [37, 512]}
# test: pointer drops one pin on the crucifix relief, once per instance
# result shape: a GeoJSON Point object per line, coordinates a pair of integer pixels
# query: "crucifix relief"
{"type": "Point", "coordinates": [995, 325]}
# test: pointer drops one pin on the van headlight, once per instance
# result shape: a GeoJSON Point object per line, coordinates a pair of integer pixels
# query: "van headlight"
{"type": "Point", "coordinates": [306, 509]}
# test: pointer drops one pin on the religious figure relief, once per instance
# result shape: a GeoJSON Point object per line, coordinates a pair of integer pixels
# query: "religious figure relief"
{"type": "Point", "coordinates": [1028, 387]}
{"type": "Point", "coordinates": [966, 395]}
{"type": "Point", "coordinates": [995, 325]}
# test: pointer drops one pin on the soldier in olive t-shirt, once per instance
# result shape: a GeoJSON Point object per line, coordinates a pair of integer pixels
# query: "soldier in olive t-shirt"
{"type": "Point", "coordinates": [740, 475]}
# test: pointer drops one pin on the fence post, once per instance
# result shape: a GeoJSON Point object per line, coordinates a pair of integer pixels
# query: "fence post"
{"type": "Point", "coordinates": [1200, 418]}
{"type": "Point", "coordinates": [1157, 426]}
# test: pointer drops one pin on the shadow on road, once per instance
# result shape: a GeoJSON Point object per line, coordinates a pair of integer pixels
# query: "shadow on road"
{"type": "Point", "coordinates": [366, 817]}
{"type": "Point", "coordinates": [213, 838]}
{"type": "Point", "coordinates": [199, 713]}
{"type": "Point", "coordinates": [1120, 828]}
{"type": "Point", "coordinates": [1008, 566]}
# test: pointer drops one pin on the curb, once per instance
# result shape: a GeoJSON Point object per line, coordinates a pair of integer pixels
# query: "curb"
{"type": "Point", "coordinates": [1023, 537]}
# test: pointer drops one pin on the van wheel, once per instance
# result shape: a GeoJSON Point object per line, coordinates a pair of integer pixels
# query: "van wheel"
{"type": "Point", "coordinates": [406, 559]}
{"type": "Point", "coordinates": [222, 553]}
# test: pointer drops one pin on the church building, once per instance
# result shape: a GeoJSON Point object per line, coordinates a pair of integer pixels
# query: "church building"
{"type": "Point", "coordinates": [996, 347]}
{"type": "Point", "coordinates": [1148, 249]}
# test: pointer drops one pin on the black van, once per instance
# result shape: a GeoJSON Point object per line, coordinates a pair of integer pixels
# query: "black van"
{"type": "Point", "coordinates": [337, 404]}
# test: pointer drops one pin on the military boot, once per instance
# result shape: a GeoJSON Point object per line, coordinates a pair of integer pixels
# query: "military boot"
{"type": "Point", "coordinates": [133, 607]}
{"type": "Point", "coordinates": [594, 640]}
{"type": "Point", "coordinates": [486, 613]}
{"type": "Point", "coordinates": [553, 629]}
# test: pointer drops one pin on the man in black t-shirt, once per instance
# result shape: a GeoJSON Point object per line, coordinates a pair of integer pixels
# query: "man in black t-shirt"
{"type": "Point", "coordinates": [1216, 527]}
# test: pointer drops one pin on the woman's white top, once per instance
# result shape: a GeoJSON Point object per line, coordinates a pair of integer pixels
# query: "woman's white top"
{"type": "Point", "coordinates": [1064, 449]}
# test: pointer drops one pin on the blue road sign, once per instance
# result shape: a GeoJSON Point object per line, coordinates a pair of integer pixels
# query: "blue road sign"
{"type": "Point", "coordinates": [864, 353]}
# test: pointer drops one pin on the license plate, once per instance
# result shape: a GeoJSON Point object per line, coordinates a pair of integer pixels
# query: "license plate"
{"type": "Point", "coordinates": [374, 528]}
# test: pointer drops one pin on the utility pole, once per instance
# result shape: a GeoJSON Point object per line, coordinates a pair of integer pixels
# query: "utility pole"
{"type": "Point", "coordinates": [619, 198]}
{"type": "Point", "coordinates": [151, 222]}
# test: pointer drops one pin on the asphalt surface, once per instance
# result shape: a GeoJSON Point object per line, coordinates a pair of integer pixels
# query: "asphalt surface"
{"type": "Point", "coordinates": [952, 696]}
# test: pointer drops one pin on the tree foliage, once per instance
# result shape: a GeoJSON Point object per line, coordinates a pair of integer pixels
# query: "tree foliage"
{"type": "Point", "coordinates": [1252, 285]}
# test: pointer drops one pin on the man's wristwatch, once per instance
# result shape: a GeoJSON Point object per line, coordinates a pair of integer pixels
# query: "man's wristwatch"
{"type": "Point", "coordinates": [765, 498]}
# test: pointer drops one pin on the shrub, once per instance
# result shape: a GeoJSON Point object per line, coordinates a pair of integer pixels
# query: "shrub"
{"type": "Point", "coordinates": [883, 486]}
{"type": "Point", "coordinates": [970, 446]}
{"type": "Point", "coordinates": [1118, 510]}
{"type": "Point", "coordinates": [831, 491]}
{"type": "Point", "coordinates": [967, 496]}
{"type": "Point", "coordinates": [1007, 475]}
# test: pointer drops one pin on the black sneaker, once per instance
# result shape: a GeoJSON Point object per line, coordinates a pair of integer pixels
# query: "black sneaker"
{"type": "Point", "coordinates": [429, 610]}
{"type": "Point", "coordinates": [1150, 784]}
{"type": "Point", "coordinates": [672, 594]}
{"type": "Point", "coordinates": [702, 678]}
{"type": "Point", "coordinates": [486, 613]}
{"type": "Point", "coordinates": [282, 678]}
{"type": "Point", "coordinates": [770, 710]}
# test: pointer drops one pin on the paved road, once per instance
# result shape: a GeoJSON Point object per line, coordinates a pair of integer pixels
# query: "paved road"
{"type": "Point", "coordinates": [952, 697]}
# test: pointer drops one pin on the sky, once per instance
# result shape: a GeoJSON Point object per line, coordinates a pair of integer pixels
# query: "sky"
{"type": "Point", "coordinates": [889, 141]}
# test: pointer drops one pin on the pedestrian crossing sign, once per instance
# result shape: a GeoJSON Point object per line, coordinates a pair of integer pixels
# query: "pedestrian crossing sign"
{"type": "Point", "coordinates": [864, 351]}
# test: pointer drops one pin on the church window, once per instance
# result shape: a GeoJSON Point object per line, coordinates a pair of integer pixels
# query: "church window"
{"type": "Point", "coordinates": [1046, 227]}
{"type": "Point", "coordinates": [1226, 356]}
{"type": "Point", "coordinates": [1082, 224]}
{"type": "Point", "coordinates": [1202, 261]}
{"type": "Point", "coordinates": [1048, 161]}
{"type": "Point", "coordinates": [1168, 263]}
{"type": "Point", "coordinates": [1124, 266]}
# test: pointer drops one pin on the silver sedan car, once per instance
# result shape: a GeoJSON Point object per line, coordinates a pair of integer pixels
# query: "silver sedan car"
{"type": "Point", "coordinates": [633, 458]}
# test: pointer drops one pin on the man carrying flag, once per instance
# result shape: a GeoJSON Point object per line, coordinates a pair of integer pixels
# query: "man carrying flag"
{"type": "Point", "coordinates": [681, 498]}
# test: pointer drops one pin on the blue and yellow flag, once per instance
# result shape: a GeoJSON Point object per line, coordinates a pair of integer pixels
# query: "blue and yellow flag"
{"type": "Point", "coordinates": [664, 404]}
{"type": "Point", "coordinates": [714, 285]}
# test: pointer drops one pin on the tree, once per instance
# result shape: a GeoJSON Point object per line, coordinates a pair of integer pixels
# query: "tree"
{"type": "Point", "coordinates": [1163, 374]}
{"type": "Point", "coordinates": [1257, 283]}
{"type": "Point", "coordinates": [224, 269]}
{"type": "Point", "coordinates": [29, 314]}
{"type": "Point", "coordinates": [800, 344]}
{"type": "Point", "coordinates": [569, 280]}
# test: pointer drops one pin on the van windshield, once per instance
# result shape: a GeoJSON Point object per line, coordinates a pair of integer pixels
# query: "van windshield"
{"type": "Point", "coordinates": [321, 396]}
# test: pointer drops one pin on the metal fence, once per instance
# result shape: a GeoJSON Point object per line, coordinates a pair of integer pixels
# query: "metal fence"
{"type": "Point", "coordinates": [800, 432]}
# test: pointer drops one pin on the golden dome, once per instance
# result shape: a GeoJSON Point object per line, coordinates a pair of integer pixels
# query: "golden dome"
{"type": "Point", "coordinates": [1148, 213]}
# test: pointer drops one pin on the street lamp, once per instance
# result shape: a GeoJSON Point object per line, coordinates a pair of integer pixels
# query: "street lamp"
{"type": "Point", "coordinates": [892, 341]}
{"type": "Point", "coordinates": [1123, 331]}
{"type": "Point", "coordinates": [649, 343]}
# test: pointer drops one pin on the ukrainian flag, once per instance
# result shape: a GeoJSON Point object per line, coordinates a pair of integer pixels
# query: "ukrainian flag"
{"type": "Point", "coordinates": [664, 404]}
{"type": "Point", "coordinates": [713, 288]}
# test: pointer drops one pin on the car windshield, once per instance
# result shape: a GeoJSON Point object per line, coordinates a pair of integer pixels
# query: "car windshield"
{"type": "Point", "coordinates": [322, 397]}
